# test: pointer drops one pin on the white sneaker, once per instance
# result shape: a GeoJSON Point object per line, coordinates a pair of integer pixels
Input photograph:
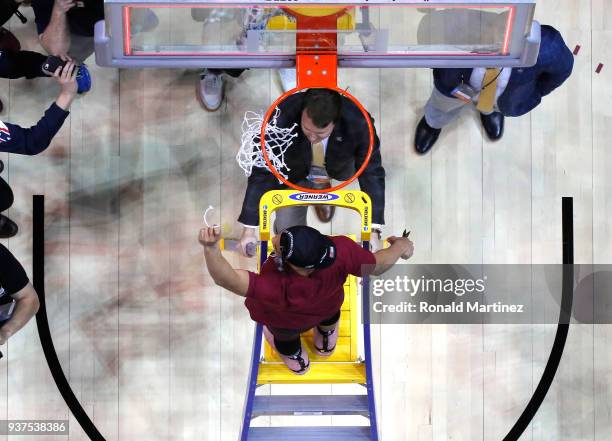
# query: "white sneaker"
{"type": "Point", "coordinates": [288, 78]}
{"type": "Point", "coordinates": [210, 91]}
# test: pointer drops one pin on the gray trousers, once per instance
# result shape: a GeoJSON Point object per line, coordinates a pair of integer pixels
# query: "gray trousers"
{"type": "Point", "coordinates": [292, 216]}
{"type": "Point", "coordinates": [289, 217]}
{"type": "Point", "coordinates": [441, 109]}
{"type": "Point", "coordinates": [81, 47]}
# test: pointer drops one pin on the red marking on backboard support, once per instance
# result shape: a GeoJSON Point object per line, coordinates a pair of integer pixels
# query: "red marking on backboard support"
{"type": "Point", "coordinates": [577, 49]}
{"type": "Point", "coordinates": [127, 32]}
{"type": "Point", "coordinates": [509, 25]}
{"type": "Point", "coordinates": [599, 68]}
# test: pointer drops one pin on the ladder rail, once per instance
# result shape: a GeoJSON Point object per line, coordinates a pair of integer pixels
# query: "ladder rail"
{"type": "Point", "coordinates": [255, 356]}
{"type": "Point", "coordinates": [367, 348]}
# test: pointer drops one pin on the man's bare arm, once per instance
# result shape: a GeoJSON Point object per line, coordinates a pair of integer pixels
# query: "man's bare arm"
{"type": "Point", "coordinates": [236, 281]}
{"type": "Point", "coordinates": [56, 37]}
{"type": "Point", "coordinates": [26, 307]}
{"type": "Point", "coordinates": [400, 247]}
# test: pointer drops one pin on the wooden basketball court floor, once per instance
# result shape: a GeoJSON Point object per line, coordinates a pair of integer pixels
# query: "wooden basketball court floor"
{"type": "Point", "coordinates": [155, 351]}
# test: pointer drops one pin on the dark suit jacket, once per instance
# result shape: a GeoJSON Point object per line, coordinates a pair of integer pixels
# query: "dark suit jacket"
{"type": "Point", "coordinates": [346, 150]}
{"type": "Point", "coordinates": [527, 85]}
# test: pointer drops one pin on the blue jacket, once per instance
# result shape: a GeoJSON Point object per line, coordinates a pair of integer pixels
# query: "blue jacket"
{"type": "Point", "coordinates": [527, 85]}
{"type": "Point", "coordinates": [32, 141]}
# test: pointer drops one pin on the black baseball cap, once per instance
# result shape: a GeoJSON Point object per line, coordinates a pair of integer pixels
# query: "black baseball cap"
{"type": "Point", "coordinates": [305, 247]}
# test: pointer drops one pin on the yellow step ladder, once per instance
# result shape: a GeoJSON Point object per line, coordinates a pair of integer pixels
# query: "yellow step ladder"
{"type": "Point", "coordinates": [345, 365]}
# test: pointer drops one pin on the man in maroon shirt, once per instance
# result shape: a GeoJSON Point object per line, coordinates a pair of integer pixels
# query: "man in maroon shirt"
{"type": "Point", "coordinates": [300, 286]}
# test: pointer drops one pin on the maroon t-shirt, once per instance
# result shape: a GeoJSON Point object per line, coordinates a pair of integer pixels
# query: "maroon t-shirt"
{"type": "Point", "coordinates": [284, 299]}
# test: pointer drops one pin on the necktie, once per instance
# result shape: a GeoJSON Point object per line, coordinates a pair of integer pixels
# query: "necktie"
{"type": "Point", "coordinates": [486, 101]}
{"type": "Point", "coordinates": [318, 174]}
{"type": "Point", "coordinates": [318, 155]}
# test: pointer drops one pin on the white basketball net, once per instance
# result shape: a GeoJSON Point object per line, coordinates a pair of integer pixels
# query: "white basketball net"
{"type": "Point", "coordinates": [278, 140]}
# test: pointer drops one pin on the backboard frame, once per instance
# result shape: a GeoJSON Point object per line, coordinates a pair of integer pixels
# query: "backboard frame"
{"type": "Point", "coordinates": [112, 51]}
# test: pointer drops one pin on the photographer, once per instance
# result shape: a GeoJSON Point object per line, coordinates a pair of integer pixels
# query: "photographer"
{"type": "Point", "coordinates": [15, 139]}
{"type": "Point", "coordinates": [18, 299]}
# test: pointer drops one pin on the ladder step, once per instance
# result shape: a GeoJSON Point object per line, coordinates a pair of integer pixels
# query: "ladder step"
{"type": "Point", "coordinates": [358, 433]}
{"type": "Point", "coordinates": [319, 373]}
{"type": "Point", "coordinates": [310, 405]}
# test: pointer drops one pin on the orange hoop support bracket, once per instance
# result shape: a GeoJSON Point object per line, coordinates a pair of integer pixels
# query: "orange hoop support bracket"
{"type": "Point", "coordinates": [316, 45]}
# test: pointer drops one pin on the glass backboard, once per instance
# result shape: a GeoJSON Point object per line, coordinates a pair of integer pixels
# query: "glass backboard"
{"type": "Point", "coordinates": [363, 33]}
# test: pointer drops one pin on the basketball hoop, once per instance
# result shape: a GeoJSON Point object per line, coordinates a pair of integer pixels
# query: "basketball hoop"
{"type": "Point", "coordinates": [284, 179]}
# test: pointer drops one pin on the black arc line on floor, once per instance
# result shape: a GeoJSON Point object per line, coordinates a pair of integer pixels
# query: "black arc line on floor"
{"type": "Point", "coordinates": [567, 298]}
{"type": "Point", "coordinates": [42, 323]}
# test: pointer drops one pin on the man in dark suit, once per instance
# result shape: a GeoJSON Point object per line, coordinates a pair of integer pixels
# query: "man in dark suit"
{"type": "Point", "coordinates": [495, 92]}
{"type": "Point", "coordinates": [332, 142]}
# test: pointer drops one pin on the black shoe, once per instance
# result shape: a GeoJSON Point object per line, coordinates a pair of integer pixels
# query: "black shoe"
{"type": "Point", "coordinates": [8, 228]}
{"type": "Point", "coordinates": [425, 137]}
{"type": "Point", "coordinates": [325, 213]}
{"type": "Point", "coordinates": [493, 125]}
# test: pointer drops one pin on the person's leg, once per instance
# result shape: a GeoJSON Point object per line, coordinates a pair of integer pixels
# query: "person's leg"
{"type": "Point", "coordinates": [143, 20]}
{"type": "Point", "coordinates": [286, 341]}
{"type": "Point", "coordinates": [325, 213]}
{"type": "Point", "coordinates": [8, 228]}
{"type": "Point", "coordinates": [212, 86]}
{"type": "Point", "coordinates": [8, 41]}
{"type": "Point", "coordinates": [493, 124]}
{"type": "Point", "coordinates": [288, 78]}
{"type": "Point", "coordinates": [439, 111]}
{"type": "Point", "coordinates": [21, 64]}
{"type": "Point", "coordinates": [289, 346]}
{"type": "Point", "coordinates": [234, 73]}
{"type": "Point", "coordinates": [6, 196]}
{"type": "Point", "coordinates": [289, 217]}
{"type": "Point", "coordinates": [330, 323]}
{"type": "Point", "coordinates": [325, 335]}
{"type": "Point", "coordinates": [81, 47]}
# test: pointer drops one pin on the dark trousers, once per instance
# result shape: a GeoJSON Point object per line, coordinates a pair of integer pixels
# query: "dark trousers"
{"type": "Point", "coordinates": [287, 341]}
{"type": "Point", "coordinates": [6, 196]}
{"type": "Point", "coordinates": [21, 64]}
{"type": "Point", "coordinates": [234, 73]}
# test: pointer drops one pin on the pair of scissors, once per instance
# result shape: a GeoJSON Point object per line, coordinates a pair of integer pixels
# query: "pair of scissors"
{"type": "Point", "coordinates": [406, 233]}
